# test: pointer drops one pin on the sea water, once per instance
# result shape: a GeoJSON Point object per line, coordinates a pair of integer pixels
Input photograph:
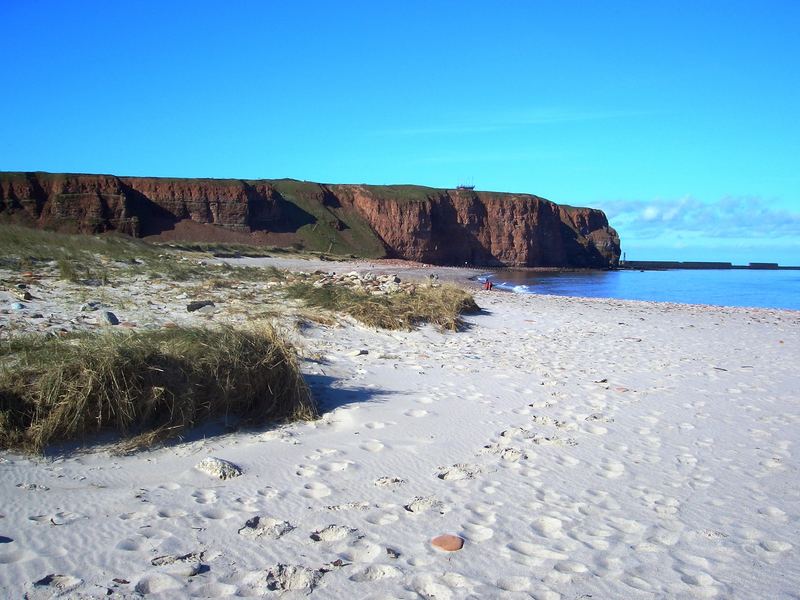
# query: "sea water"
{"type": "Point", "coordinates": [734, 287]}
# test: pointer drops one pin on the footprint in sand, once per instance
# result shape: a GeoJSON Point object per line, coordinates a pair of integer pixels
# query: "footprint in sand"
{"type": "Point", "coordinates": [773, 512]}
{"type": "Point", "coordinates": [133, 545]}
{"type": "Point", "coordinates": [171, 513]}
{"type": "Point", "coordinates": [416, 412]}
{"type": "Point", "coordinates": [482, 513]}
{"type": "Point", "coordinates": [570, 567]}
{"type": "Point", "coordinates": [15, 556]}
{"type": "Point", "coordinates": [636, 582]}
{"type": "Point", "coordinates": [381, 518]}
{"type": "Point", "coordinates": [775, 546]}
{"type": "Point", "coordinates": [420, 504]}
{"type": "Point", "coordinates": [459, 472]}
{"type": "Point", "coordinates": [377, 424]}
{"type": "Point", "coordinates": [565, 460]}
{"type": "Point", "coordinates": [156, 583]}
{"type": "Point", "coordinates": [356, 505]}
{"type": "Point", "coordinates": [217, 514]}
{"type": "Point", "coordinates": [361, 551]}
{"type": "Point", "coordinates": [476, 533]}
{"type": "Point", "coordinates": [372, 445]}
{"type": "Point", "coordinates": [389, 482]}
{"type": "Point", "coordinates": [322, 453]}
{"type": "Point", "coordinates": [306, 471]}
{"type": "Point", "coordinates": [612, 469]}
{"type": "Point", "coordinates": [337, 466]}
{"type": "Point", "coordinates": [512, 455]}
{"type": "Point", "coordinates": [514, 584]}
{"type": "Point", "coordinates": [701, 582]}
{"type": "Point", "coordinates": [333, 533]}
{"type": "Point", "coordinates": [213, 589]}
{"type": "Point", "coordinates": [140, 514]}
{"type": "Point", "coordinates": [376, 573]}
{"type": "Point", "coordinates": [57, 585]}
{"type": "Point", "coordinates": [59, 518]}
{"type": "Point", "coordinates": [595, 429]}
{"type": "Point", "coordinates": [267, 527]}
{"type": "Point", "coordinates": [267, 492]}
{"type": "Point", "coordinates": [315, 490]}
{"type": "Point", "coordinates": [204, 496]}
{"type": "Point", "coordinates": [549, 527]}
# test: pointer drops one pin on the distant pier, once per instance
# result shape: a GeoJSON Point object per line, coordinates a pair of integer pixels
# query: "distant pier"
{"type": "Point", "coordinates": [663, 265]}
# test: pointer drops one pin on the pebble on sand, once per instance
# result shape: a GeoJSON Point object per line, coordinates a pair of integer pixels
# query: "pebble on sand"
{"type": "Point", "coordinates": [198, 304]}
{"type": "Point", "coordinates": [448, 543]}
{"type": "Point", "coordinates": [110, 318]}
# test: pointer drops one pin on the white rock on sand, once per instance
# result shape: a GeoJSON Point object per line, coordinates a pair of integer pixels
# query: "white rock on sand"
{"type": "Point", "coordinates": [573, 459]}
{"type": "Point", "coordinates": [216, 467]}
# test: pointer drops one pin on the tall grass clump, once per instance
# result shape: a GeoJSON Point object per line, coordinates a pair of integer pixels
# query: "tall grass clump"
{"type": "Point", "coordinates": [441, 306]}
{"type": "Point", "coordinates": [146, 386]}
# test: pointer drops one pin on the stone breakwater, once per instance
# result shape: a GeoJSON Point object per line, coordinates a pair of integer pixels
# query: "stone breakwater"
{"type": "Point", "coordinates": [429, 225]}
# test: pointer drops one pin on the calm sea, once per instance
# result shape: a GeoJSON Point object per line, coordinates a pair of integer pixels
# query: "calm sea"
{"type": "Point", "coordinates": [767, 289]}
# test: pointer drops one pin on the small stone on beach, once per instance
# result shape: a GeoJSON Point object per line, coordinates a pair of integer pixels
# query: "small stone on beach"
{"type": "Point", "coordinates": [198, 304]}
{"type": "Point", "coordinates": [109, 318]}
{"type": "Point", "coordinates": [448, 543]}
{"type": "Point", "coordinates": [216, 467]}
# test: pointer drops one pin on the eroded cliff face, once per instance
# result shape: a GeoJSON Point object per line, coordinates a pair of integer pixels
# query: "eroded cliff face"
{"type": "Point", "coordinates": [416, 223]}
{"type": "Point", "coordinates": [484, 228]}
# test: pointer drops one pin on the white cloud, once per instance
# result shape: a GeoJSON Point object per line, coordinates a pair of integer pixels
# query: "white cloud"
{"type": "Point", "coordinates": [744, 217]}
{"type": "Point", "coordinates": [650, 213]}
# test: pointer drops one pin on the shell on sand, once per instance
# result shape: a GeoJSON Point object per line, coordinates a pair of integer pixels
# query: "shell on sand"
{"type": "Point", "coordinates": [447, 542]}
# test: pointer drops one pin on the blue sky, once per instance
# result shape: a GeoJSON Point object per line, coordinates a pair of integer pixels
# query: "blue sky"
{"type": "Point", "coordinates": [681, 120]}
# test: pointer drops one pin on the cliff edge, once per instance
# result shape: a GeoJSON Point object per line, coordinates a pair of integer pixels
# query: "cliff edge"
{"type": "Point", "coordinates": [438, 226]}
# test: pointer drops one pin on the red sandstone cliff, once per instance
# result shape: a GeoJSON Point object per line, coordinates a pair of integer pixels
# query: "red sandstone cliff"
{"type": "Point", "coordinates": [412, 222]}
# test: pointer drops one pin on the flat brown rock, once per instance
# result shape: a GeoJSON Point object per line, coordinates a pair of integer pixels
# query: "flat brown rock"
{"type": "Point", "coordinates": [448, 543]}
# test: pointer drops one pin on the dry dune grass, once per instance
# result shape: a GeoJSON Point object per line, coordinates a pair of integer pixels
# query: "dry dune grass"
{"type": "Point", "coordinates": [441, 306]}
{"type": "Point", "coordinates": [146, 386]}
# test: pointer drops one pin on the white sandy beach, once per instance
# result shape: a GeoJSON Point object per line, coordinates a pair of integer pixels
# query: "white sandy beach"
{"type": "Point", "coordinates": [582, 448]}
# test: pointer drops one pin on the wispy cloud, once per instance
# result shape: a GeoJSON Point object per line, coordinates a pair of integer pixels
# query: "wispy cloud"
{"type": "Point", "coordinates": [505, 120]}
{"type": "Point", "coordinates": [744, 217]}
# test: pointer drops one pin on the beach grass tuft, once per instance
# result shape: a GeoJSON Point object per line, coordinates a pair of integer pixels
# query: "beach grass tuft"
{"type": "Point", "coordinates": [441, 306]}
{"type": "Point", "coordinates": [145, 386]}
